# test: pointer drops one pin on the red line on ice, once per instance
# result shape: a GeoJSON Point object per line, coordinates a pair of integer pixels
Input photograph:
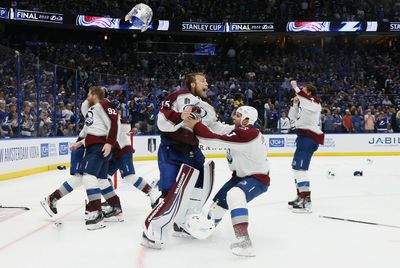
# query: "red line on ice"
{"type": "Point", "coordinates": [35, 230]}
{"type": "Point", "coordinates": [141, 257]}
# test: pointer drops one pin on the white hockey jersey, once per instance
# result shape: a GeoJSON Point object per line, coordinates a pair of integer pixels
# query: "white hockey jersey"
{"type": "Point", "coordinates": [246, 150]}
{"type": "Point", "coordinates": [101, 123]}
{"type": "Point", "coordinates": [306, 116]}
{"type": "Point", "coordinates": [170, 123]}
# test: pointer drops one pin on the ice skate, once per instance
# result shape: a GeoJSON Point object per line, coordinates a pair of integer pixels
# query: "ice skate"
{"type": "Point", "coordinates": [148, 243]}
{"type": "Point", "coordinates": [243, 247]}
{"type": "Point", "coordinates": [294, 201]}
{"type": "Point", "coordinates": [154, 193]}
{"type": "Point", "coordinates": [302, 205]}
{"type": "Point", "coordinates": [180, 232]}
{"type": "Point", "coordinates": [49, 204]}
{"type": "Point", "coordinates": [112, 214]}
{"type": "Point", "coordinates": [94, 220]}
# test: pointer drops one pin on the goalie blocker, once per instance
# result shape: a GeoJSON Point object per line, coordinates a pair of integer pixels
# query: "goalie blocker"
{"type": "Point", "coordinates": [182, 202]}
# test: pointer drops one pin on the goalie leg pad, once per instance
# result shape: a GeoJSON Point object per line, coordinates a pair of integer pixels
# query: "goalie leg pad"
{"type": "Point", "coordinates": [159, 221]}
{"type": "Point", "coordinates": [199, 195]}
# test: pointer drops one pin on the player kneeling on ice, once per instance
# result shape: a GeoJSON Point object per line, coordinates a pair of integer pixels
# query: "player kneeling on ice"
{"type": "Point", "coordinates": [247, 158]}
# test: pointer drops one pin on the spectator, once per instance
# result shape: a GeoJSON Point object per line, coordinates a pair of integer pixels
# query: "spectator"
{"type": "Point", "coordinates": [398, 121]}
{"type": "Point", "coordinates": [45, 124]}
{"type": "Point", "coordinates": [337, 121]}
{"type": "Point", "coordinates": [27, 122]}
{"type": "Point", "coordinates": [329, 126]}
{"type": "Point", "coordinates": [347, 122]}
{"type": "Point", "coordinates": [272, 118]}
{"type": "Point", "coordinates": [249, 96]}
{"type": "Point", "coordinates": [137, 130]}
{"type": "Point", "coordinates": [369, 120]}
{"type": "Point", "coordinates": [267, 109]}
{"type": "Point", "coordinates": [387, 102]}
{"type": "Point", "coordinates": [67, 113]}
{"type": "Point", "coordinates": [150, 118]}
{"type": "Point", "coordinates": [381, 124]}
{"type": "Point", "coordinates": [69, 131]}
{"type": "Point", "coordinates": [10, 124]}
{"type": "Point", "coordinates": [3, 116]}
{"type": "Point", "coordinates": [393, 121]}
{"type": "Point", "coordinates": [60, 130]}
{"type": "Point", "coordinates": [284, 124]}
{"type": "Point", "coordinates": [356, 121]}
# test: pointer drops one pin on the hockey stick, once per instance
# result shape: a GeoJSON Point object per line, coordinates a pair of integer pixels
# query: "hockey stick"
{"type": "Point", "coordinates": [356, 221]}
{"type": "Point", "coordinates": [24, 208]}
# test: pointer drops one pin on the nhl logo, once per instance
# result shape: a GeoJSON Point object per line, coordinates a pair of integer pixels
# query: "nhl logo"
{"type": "Point", "coordinates": [152, 145]}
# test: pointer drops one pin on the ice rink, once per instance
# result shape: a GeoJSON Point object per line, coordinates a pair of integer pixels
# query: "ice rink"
{"type": "Point", "coordinates": [280, 238]}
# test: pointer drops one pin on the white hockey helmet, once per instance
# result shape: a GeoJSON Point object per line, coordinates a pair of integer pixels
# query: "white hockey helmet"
{"type": "Point", "coordinates": [199, 226]}
{"type": "Point", "coordinates": [140, 16]}
{"type": "Point", "coordinates": [248, 112]}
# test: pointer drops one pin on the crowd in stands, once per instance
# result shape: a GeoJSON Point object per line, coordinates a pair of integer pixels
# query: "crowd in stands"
{"type": "Point", "coordinates": [234, 11]}
{"type": "Point", "coordinates": [359, 85]}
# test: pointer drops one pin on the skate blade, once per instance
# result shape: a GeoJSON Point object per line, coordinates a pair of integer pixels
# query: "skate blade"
{"type": "Point", "coordinates": [301, 210]}
{"type": "Point", "coordinates": [96, 226]}
{"type": "Point", "coordinates": [244, 253]}
{"type": "Point", "coordinates": [114, 219]}
{"type": "Point", "coordinates": [182, 235]}
{"type": "Point", "coordinates": [148, 244]}
{"type": "Point", "coordinates": [47, 209]}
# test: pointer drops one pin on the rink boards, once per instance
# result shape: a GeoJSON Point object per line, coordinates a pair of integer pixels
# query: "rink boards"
{"type": "Point", "coordinates": [21, 157]}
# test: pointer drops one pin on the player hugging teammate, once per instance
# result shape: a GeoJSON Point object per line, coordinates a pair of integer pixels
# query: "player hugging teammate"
{"type": "Point", "coordinates": [93, 164]}
{"type": "Point", "coordinates": [184, 180]}
{"type": "Point", "coordinates": [247, 159]}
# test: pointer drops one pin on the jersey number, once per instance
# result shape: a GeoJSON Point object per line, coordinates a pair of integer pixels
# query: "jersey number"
{"type": "Point", "coordinates": [111, 111]}
{"type": "Point", "coordinates": [166, 103]}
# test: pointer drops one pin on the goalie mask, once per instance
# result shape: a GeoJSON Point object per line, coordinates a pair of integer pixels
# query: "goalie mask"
{"type": "Point", "coordinates": [199, 226]}
{"type": "Point", "coordinates": [140, 16]}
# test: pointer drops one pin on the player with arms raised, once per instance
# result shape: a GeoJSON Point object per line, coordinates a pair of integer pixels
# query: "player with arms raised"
{"type": "Point", "coordinates": [306, 112]}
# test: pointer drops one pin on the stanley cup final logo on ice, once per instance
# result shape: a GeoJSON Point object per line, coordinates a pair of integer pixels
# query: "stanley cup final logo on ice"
{"type": "Point", "coordinates": [152, 145]}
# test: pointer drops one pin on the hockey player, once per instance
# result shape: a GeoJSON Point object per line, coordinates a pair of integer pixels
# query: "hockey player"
{"type": "Point", "coordinates": [112, 211]}
{"type": "Point", "coordinates": [77, 153]}
{"type": "Point", "coordinates": [101, 136]}
{"type": "Point", "coordinates": [247, 159]}
{"type": "Point", "coordinates": [179, 147]}
{"type": "Point", "coordinates": [306, 112]}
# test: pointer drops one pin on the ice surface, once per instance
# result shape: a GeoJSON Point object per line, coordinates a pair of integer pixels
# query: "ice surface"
{"type": "Point", "coordinates": [280, 238]}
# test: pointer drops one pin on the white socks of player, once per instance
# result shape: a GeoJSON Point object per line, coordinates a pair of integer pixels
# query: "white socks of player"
{"type": "Point", "coordinates": [237, 204]}
{"type": "Point", "coordinates": [302, 204]}
{"type": "Point", "coordinates": [95, 216]}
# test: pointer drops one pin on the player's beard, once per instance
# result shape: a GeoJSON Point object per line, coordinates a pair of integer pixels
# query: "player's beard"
{"type": "Point", "coordinates": [201, 92]}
